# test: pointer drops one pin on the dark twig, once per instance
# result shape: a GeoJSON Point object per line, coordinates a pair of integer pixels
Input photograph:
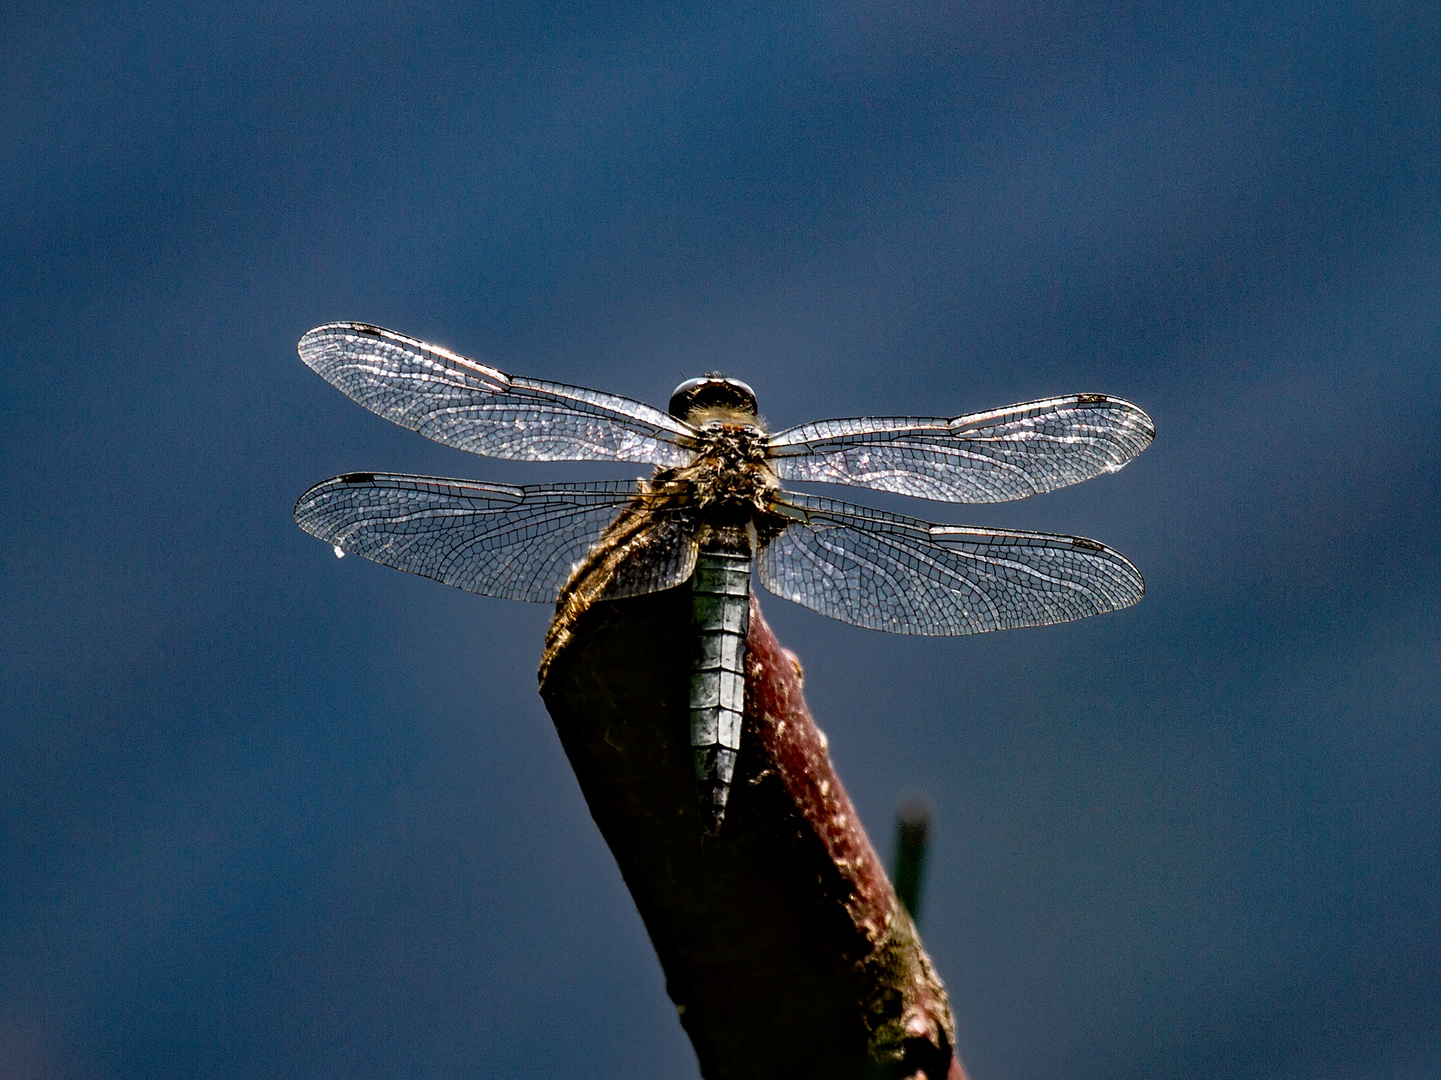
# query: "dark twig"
{"type": "Point", "coordinates": [783, 944]}
{"type": "Point", "coordinates": [913, 831]}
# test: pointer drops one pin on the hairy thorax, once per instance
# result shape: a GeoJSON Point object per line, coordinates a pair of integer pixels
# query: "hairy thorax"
{"type": "Point", "coordinates": [728, 487]}
{"type": "Point", "coordinates": [721, 501]}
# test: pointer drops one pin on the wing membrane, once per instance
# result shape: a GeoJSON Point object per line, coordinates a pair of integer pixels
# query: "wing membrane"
{"type": "Point", "coordinates": [464, 404]}
{"type": "Point", "coordinates": [997, 456]}
{"type": "Point", "coordinates": [888, 572]}
{"type": "Point", "coordinates": [519, 543]}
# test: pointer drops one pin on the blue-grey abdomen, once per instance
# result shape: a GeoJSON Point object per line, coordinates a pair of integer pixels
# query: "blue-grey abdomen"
{"type": "Point", "coordinates": [720, 590]}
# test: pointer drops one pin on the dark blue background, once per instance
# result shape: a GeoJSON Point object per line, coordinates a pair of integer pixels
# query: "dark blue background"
{"type": "Point", "coordinates": [264, 813]}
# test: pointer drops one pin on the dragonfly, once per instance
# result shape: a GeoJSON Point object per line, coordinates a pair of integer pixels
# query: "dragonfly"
{"type": "Point", "coordinates": [713, 512]}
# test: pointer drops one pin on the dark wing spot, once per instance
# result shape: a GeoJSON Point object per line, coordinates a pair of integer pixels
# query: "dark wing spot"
{"type": "Point", "coordinates": [358, 478]}
{"type": "Point", "coordinates": [1089, 545]}
{"type": "Point", "coordinates": [1092, 399]}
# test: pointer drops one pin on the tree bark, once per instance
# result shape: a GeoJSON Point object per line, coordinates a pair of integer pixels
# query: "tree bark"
{"type": "Point", "coordinates": [783, 945]}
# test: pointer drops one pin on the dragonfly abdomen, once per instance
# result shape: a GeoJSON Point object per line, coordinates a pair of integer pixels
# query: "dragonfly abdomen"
{"type": "Point", "coordinates": [720, 590]}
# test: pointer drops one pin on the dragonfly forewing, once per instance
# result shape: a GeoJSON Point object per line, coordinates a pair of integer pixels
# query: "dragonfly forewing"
{"type": "Point", "coordinates": [996, 456]}
{"type": "Point", "coordinates": [474, 407]}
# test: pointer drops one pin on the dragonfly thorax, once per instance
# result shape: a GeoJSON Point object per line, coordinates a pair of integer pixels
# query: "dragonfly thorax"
{"type": "Point", "coordinates": [730, 480]}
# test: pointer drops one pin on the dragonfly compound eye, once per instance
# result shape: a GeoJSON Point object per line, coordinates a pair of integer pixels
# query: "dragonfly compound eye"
{"type": "Point", "coordinates": [712, 392]}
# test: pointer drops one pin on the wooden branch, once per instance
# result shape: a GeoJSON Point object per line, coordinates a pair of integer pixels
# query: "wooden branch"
{"type": "Point", "coordinates": [783, 945]}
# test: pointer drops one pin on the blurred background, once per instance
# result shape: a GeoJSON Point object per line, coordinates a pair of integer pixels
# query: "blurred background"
{"type": "Point", "coordinates": [268, 813]}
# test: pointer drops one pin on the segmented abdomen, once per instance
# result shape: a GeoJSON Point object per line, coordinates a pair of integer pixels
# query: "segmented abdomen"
{"type": "Point", "coordinates": [720, 591]}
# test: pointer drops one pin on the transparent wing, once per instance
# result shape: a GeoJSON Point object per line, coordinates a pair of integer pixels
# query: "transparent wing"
{"type": "Point", "coordinates": [520, 543]}
{"type": "Point", "coordinates": [460, 403]}
{"type": "Point", "coordinates": [894, 573]}
{"type": "Point", "coordinates": [984, 457]}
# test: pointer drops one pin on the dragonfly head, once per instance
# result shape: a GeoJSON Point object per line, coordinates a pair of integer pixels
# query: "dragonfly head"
{"type": "Point", "coordinates": [712, 392]}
